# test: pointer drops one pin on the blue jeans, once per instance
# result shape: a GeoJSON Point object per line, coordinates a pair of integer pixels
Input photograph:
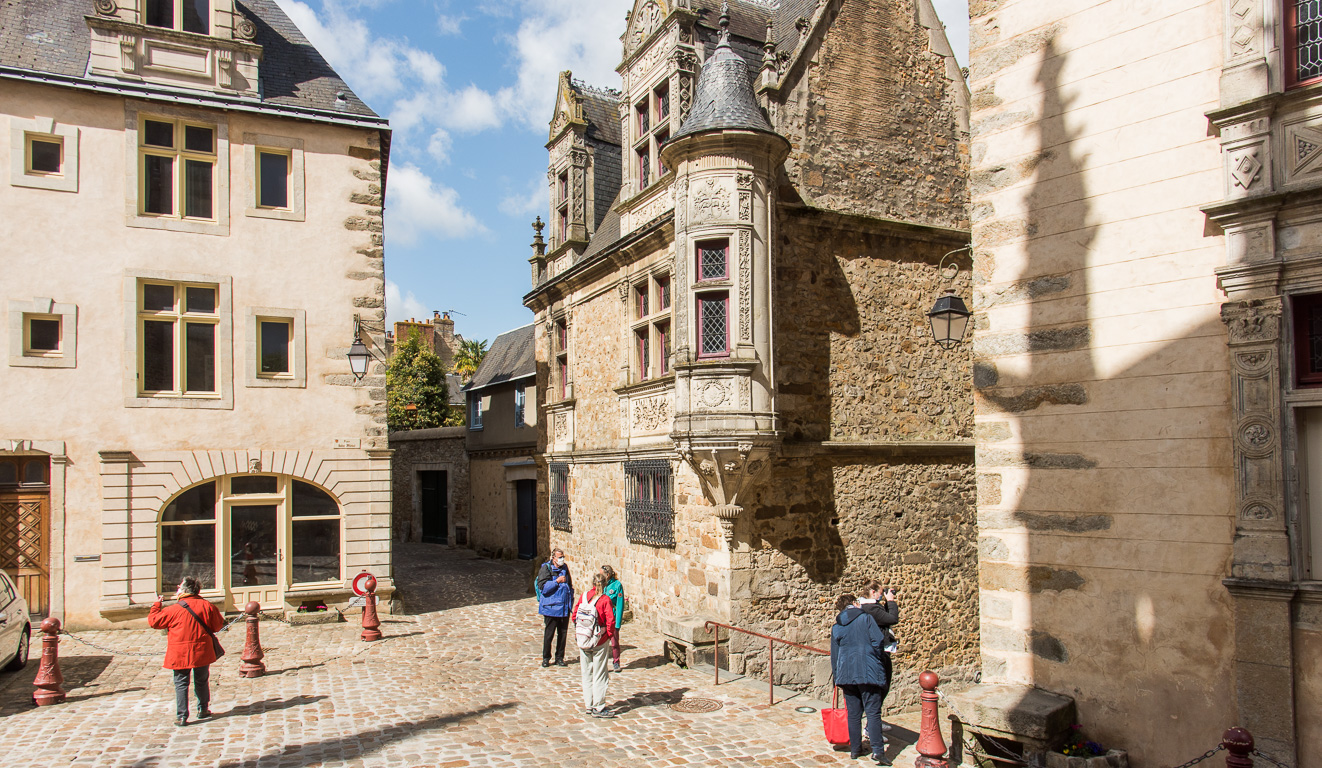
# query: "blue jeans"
{"type": "Point", "coordinates": [201, 687]}
{"type": "Point", "coordinates": [860, 699]}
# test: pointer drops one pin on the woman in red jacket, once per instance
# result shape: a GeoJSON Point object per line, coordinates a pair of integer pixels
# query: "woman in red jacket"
{"type": "Point", "coordinates": [188, 646]}
{"type": "Point", "coordinates": [594, 626]}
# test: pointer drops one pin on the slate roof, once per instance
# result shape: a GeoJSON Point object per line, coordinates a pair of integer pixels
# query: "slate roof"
{"type": "Point", "coordinates": [51, 36]}
{"type": "Point", "coordinates": [601, 108]}
{"type": "Point", "coordinates": [724, 98]}
{"type": "Point", "coordinates": [454, 386]}
{"type": "Point", "coordinates": [608, 231]}
{"type": "Point", "coordinates": [511, 357]}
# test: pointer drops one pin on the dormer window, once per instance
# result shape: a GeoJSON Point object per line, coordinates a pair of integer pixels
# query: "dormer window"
{"type": "Point", "coordinates": [186, 15]}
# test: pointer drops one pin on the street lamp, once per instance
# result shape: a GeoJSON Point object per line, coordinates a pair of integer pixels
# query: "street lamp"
{"type": "Point", "coordinates": [358, 353]}
{"type": "Point", "coordinates": [949, 318]}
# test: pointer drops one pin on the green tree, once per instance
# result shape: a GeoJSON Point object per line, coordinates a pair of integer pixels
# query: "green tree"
{"type": "Point", "coordinates": [469, 357]}
{"type": "Point", "coordinates": [416, 395]}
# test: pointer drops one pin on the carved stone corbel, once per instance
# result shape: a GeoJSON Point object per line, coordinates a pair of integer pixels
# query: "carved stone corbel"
{"type": "Point", "coordinates": [128, 52]}
{"type": "Point", "coordinates": [726, 470]}
{"type": "Point", "coordinates": [225, 67]}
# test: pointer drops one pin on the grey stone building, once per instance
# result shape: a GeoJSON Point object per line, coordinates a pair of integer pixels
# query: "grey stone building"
{"type": "Point", "coordinates": [742, 408]}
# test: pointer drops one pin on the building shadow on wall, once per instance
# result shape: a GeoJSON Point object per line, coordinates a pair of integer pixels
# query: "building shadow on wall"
{"type": "Point", "coordinates": [1070, 418]}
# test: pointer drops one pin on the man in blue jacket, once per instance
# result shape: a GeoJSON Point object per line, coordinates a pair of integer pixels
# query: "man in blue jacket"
{"type": "Point", "coordinates": [555, 598]}
{"type": "Point", "coordinates": [856, 643]}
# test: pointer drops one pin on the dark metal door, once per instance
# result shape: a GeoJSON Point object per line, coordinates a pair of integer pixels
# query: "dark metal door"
{"type": "Point", "coordinates": [435, 507]}
{"type": "Point", "coordinates": [527, 501]}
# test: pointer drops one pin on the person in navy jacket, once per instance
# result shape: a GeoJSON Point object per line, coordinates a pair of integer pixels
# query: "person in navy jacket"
{"type": "Point", "coordinates": [856, 647]}
{"type": "Point", "coordinates": [555, 599]}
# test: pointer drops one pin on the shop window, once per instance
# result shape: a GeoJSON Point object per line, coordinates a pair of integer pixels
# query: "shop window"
{"type": "Point", "coordinates": [281, 531]}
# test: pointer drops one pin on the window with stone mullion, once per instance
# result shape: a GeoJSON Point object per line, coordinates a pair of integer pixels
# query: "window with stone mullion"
{"type": "Point", "coordinates": [1303, 31]}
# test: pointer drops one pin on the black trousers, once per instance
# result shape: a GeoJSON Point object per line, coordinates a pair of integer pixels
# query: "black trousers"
{"type": "Point", "coordinates": [554, 625]}
{"type": "Point", "coordinates": [886, 667]}
{"type": "Point", "coordinates": [201, 687]}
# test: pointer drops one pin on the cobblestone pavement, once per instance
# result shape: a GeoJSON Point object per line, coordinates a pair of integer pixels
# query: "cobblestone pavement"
{"type": "Point", "coordinates": [456, 684]}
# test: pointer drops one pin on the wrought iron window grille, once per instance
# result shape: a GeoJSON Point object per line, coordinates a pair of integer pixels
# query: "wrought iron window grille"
{"type": "Point", "coordinates": [560, 496]}
{"type": "Point", "coordinates": [649, 513]}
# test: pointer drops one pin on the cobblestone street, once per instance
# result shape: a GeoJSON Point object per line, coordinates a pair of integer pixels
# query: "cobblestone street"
{"type": "Point", "coordinates": [457, 682]}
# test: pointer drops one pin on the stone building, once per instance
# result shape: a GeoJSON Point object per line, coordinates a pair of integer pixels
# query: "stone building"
{"type": "Point", "coordinates": [194, 239]}
{"type": "Point", "coordinates": [1148, 266]}
{"type": "Point", "coordinates": [742, 408]}
{"type": "Point", "coordinates": [437, 335]}
{"type": "Point", "coordinates": [502, 441]}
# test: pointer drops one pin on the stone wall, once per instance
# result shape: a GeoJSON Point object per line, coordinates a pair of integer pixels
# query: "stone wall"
{"type": "Point", "coordinates": [875, 120]}
{"type": "Point", "coordinates": [490, 530]}
{"type": "Point", "coordinates": [689, 579]}
{"type": "Point", "coordinates": [822, 527]}
{"type": "Point", "coordinates": [868, 294]}
{"type": "Point", "coordinates": [427, 449]}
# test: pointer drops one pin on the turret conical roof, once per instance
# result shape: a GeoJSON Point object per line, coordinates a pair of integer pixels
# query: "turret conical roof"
{"type": "Point", "coordinates": [725, 99]}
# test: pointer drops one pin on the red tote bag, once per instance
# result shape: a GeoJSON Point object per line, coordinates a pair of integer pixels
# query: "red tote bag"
{"type": "Point", "coordinates": [835, 722]}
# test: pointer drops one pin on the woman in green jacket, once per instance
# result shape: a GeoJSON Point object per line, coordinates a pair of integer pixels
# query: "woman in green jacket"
{"type": "Point", "coordinates": [615, 591]}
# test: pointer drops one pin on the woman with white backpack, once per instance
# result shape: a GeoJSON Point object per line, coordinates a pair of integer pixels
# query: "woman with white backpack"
{"type": "Point", "coordinates": [594, 626]}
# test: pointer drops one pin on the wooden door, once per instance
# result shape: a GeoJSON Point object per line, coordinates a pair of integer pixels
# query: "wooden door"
{"type": "Point", "coordinates": [435, 507]}
{"type": "Point", "coordinates": [526, 501]}
{"type": "Point", "coordinates": [25, 545]}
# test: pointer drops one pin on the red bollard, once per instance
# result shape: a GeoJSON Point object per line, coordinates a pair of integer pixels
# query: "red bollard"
{"type": "Point", "coordinates": [1239, 743]}
{"type": "Point", "coordinates": [48, 674]}
{"type": "Point", "coordinates": [370, 621]}
{"type": "Point", "coordinates": [252, 665]}
{"type": "Point", "coordinates": [931, 747]}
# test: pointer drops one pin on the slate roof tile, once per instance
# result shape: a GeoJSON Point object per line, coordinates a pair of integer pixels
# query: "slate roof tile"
{"type": "Point", "coordinates": [511, 357]}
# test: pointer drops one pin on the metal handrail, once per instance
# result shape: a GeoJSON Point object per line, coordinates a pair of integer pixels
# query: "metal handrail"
{"type": "Point", "coordinates": [771, 653]}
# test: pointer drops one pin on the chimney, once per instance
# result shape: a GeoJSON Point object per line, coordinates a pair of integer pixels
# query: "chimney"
{"type": "Point", "coordinates": [444, 334]}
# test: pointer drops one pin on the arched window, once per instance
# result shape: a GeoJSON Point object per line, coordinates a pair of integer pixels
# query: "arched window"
{"type": "Point", "coordinates": [251, 537]}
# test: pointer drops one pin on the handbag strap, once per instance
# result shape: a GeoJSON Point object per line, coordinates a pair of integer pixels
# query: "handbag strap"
{"type": "Point", "coordinates": [198, 619]}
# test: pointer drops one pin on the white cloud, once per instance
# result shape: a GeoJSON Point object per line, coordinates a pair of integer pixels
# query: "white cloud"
{"type": "Point", "coordinates": [438, 146]}
{"type": "Point", "coordinates": [402, 306]}
{"type": "Point", "coordinates": [555, 36]}
{"type": "Point", "coordinates": [449, 25]}
{"type": "Point", "coordinates": [373, 66]}
{"type": "Point", "coordinates": [418, 205]}
{"type": "Point", "coordinates": [533, 199]}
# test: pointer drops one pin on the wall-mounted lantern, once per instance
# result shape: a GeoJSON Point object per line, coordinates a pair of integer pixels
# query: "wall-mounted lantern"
{"type": "Point", "coordinates": [358, 352]}
{"type": "Point", "coordinates": [949, 316]}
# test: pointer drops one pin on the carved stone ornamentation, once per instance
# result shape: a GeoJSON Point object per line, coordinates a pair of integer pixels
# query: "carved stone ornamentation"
{"type": "Point", "coordinates": [681, 205]}
{"type": "Point", "coordinates": [561, 430]}
{"type": "Point", "coordinates": [225, 65]}
{"type": "Point", "coordinates": [1246, 168]}
{"type": "Point", "coordinates": [107, 7]}
{"type": "Point", "coordinates": [726, 471]}
{"type": "Point", "coordinates": [128, 52]}
{"type": "Point", "coordinates": [651, 414]}
{"type": "Point", "coordinates": [642, 24]}
{"type": "Point", "coordinates": [1256, 436]}
{"type": "Point", "coordinates": [714, 394]}
{"type": "Point", "coordinates": [745, 285]}
{"type": "Point", "coordinates": [746, 207]}
{"type": "Point", "coordinates": [685, 96]}
{"type": "Point", "coordinates": [1257, 511]}
{"type": "Point", "coordinates": [710, 201]}
{"type": "Point", "coordinates": [245, 29]}
{"type": "Point", "coordinates": [624, 290]}
{"type": "Point", "coordinates": [1244, 27]}
{"type": "Point", "coordinates": [1252, 321]}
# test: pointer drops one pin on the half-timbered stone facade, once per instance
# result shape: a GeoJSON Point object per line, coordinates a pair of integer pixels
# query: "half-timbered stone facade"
{"type": "Point", "coordinates": [743, 411]}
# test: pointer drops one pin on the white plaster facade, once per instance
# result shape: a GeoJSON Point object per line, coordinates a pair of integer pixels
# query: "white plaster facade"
{"type": "Point", "coordinates": [118, 455]}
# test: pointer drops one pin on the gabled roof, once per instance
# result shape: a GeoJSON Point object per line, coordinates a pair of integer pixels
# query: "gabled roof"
{"type": "Point", "coordinates": [512, 356]}
{"type": "Point", "coordinates": [601, 108]}
{"type": "Point", "coordinates": [52, 37]}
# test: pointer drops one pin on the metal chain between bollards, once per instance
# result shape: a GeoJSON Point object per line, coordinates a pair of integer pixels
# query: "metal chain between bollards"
{"type": "Point", "coordinates": [110, 651]}
{"type": "Point", "coordinates": [1206, 755]}
{"type": "Point", "coordinates": [1269, 759]}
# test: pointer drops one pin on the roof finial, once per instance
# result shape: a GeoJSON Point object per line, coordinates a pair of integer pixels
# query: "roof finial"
{"type": "Point", "coordinates": [725, 23]}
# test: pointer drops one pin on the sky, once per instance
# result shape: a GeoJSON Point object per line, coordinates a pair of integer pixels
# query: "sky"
{"type": "Point", "coordinates": [469, 87]}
